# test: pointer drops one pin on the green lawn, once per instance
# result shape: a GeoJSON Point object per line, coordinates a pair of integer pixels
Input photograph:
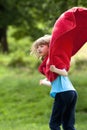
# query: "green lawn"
{"type": "Point", "coordinates": [24, 105]}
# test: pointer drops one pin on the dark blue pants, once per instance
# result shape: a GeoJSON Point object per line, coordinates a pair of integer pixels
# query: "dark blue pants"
{"type": "Point", "coordinates": [63, 112]}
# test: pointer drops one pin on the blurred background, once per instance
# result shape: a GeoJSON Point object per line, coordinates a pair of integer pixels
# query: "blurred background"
{"type": "Point", "coordinates": [24, 105]}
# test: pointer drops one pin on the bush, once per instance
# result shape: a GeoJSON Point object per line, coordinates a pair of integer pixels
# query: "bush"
{"type": "Point", "coordinates": [18, 60]}
{"type": "Point", "coordinates": [81, 64]}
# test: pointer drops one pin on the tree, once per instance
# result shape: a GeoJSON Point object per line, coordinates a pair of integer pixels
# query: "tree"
{"type": "Point", "coordinates": [31, 18]}
{"type": "Point", "coordinates": [24, 15]}
{"type": "Point", "coordinates": [3, 39]}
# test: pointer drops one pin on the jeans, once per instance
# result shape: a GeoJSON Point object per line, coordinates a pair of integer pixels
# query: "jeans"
{"type": "Point", "coordinates": [63, 112]}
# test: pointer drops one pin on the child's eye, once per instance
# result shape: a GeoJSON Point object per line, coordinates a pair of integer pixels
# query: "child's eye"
{"type": "Point", "coordinates": [37, 47]}
{"type": "Point", "coordinates": [41, 45]}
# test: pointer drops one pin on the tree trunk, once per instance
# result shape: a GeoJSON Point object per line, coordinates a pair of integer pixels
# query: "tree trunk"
{"type": "Point", "coordinates": [3, 39]}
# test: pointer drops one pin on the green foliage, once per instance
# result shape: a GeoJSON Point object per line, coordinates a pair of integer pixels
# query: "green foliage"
{"type": "Point", "coordinates": [27, 15]}
{"type": "Point", "coordinates": [33, 18]}
{"type": "Point", "coordinates": [17, 61]}
{"type": "Point", "coordinates": [24, 104]}
{"type": "Point", "coordinates": [81, 64]}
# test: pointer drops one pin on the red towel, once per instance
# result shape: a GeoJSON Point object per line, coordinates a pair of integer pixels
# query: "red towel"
{"type": "Point", "coordinates": [68, 36]}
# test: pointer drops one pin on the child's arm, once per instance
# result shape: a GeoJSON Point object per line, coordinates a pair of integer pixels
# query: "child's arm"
{"type": "Point", "coordinates": [45, 82]}
{"type": "Point", "coordinates": [58, 71]}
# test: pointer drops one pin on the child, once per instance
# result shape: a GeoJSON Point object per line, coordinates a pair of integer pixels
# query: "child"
{"type": "Point", "coordinates": [62, 91]}
{"type": "Point", "coordinates": [68, 36]}
{"type": "Point", "coordinates": [41, 49]}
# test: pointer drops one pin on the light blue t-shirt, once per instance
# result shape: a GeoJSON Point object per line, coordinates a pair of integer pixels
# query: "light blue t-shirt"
{"type": "Point", "coordinates": [61, 84]}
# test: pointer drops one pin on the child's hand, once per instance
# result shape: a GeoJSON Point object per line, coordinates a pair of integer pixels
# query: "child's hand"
{"type": "Point", "coordinates": [41, 82]}
{"type": "Point", "coordinates": [52, 68]}
{"type": "Point", "coordinates": [45, 82]}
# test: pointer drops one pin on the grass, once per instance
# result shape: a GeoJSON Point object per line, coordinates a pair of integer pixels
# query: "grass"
{"type": "Point", "coordinates": [24, 105]}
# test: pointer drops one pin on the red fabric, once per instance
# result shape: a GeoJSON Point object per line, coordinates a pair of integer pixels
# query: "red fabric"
{"type": "Point", "coordinates": [68, 36]}
{"type": "Point", "coordinates": [42, 67]}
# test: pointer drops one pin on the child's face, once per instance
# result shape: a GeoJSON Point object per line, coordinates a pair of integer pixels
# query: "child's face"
{"type": "Point", "coordinates": [42, 50]}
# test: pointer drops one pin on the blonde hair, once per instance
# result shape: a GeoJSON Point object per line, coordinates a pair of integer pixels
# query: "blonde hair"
{"type": "Point", "coordinates": [45, 40]}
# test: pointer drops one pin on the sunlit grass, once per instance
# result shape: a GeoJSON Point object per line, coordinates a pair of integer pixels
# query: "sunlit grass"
{"type": "Point", "coordinates": [26, 105]}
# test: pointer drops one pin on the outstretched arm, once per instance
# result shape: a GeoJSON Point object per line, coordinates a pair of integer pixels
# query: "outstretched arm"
{"type": "Point", "coordinates": [58, 71]}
